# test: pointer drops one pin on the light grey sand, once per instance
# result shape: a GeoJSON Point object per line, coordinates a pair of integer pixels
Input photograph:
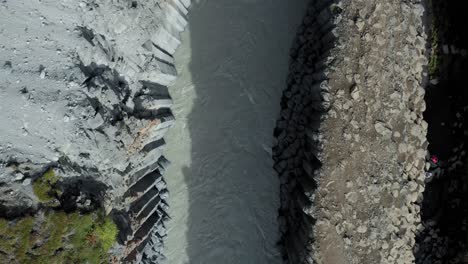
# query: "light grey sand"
{"type": "Point", "coordinates": [233, 63]}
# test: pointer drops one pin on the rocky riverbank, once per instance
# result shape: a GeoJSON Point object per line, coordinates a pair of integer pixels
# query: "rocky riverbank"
{"type": "Point", "coordinates": [351, 136]}
{"type": "Point", "coordinates": [85, 105]}
{"type": "Point", "coordinates": [83, 93]}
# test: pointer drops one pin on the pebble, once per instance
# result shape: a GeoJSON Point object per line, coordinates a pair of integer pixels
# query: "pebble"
{"type": "Point", "coordinates": [402, 148]}
{"type": "Point", "coordinates": [362, 229]}
{"type": "Point", "coordinates": [27, 182]}
{"type": "Point", "coordinates": [355, 93]}
{"type": "Point", "coordinates": [19, 176]}
{"type": "Point", "coordinates": [352, 197]}
{"type": "Point", "coordinates": [382, 129]}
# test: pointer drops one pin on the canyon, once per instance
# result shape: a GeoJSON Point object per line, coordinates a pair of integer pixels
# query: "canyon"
{"type": "Point", "coordinates": [253, 131]}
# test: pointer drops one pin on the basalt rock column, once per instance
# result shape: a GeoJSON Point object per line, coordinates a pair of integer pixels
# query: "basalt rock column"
{"type": "Point", "coordinates": [351, 136]}
{"type": "Point", "coordinates": [84, 93]}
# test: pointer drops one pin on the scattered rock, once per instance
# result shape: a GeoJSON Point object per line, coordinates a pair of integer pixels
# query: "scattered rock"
{"type": "Point", "coordinates": [7, 65]}
{"type": "Point", "coordinates": [362, 229]}
{"type": "Point", "coordinates": [355, 94]}
{"type": "Point", "coordinates": [24, 90]}
{"type": "Point", "coordinates": [352, 197]}
{"type": "Point", "coordinates": [382, 129]}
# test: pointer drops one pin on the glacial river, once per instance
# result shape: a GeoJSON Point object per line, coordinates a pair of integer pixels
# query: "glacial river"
{"type": "Point", "coordinates": [232, 66]}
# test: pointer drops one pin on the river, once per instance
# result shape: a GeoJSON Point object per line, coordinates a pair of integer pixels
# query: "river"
{"type": "Point", "coordinates": [232, 65]}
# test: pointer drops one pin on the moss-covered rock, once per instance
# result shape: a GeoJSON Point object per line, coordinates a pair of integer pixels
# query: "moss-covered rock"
{"type": "Point", "coordinates": [58, 237]}
{"type": "Point", "coordinates": [434, 59]}
{"type": "Point", "coordinates": [43, 186]}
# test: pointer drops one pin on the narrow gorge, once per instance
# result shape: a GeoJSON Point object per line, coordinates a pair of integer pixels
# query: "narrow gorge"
{"type": "Point", "coordinates": [224, 191]}
{"type": "Point", "coordinates": [216, 131]}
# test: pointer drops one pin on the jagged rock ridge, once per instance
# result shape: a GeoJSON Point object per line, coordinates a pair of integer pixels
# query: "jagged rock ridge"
{"type": "Point", "coordinates": [84, 91]}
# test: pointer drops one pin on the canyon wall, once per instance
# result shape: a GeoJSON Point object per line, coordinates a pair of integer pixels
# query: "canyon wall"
{"type": "Point", "coordinates": [83, 96]}
{"type": "Point", "coordinates": [85, 106]}
{"type": "Point", "coordinates": [351, 139]}
{"type": "Point", "coordinates": [444, 238]}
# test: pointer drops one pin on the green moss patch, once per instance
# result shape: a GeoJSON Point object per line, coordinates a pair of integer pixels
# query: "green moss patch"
{"type": "Point", "coordinates": [335, 9]}
{"type": "Point", "coordinates": [106, 233]}
{"type": "Point", "coordinates": [434, 58]}
{"type": "Point", "coordinates": [58, 238]}
{"type": "Point", "coordinates": [14, 238]}
{"type": "Point", "coordinates": [44, 186]}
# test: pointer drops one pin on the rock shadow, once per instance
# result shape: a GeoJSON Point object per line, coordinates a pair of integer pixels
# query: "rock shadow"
{"type": "Point", "coordinates": [299, 137]}
{"type": "Point", "coordinates": [444, 208]}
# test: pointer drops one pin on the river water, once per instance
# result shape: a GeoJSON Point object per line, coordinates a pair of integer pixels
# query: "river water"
{"type": "Point", "coordinates": [232, 66]}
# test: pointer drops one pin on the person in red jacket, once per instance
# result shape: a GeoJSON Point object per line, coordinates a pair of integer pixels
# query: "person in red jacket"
{"type": "Point", "coordinates": [435, 170]}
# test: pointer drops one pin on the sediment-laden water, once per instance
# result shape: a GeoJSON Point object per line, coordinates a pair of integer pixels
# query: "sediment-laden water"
{"type": "Point", "coordinates": [233, 63]}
